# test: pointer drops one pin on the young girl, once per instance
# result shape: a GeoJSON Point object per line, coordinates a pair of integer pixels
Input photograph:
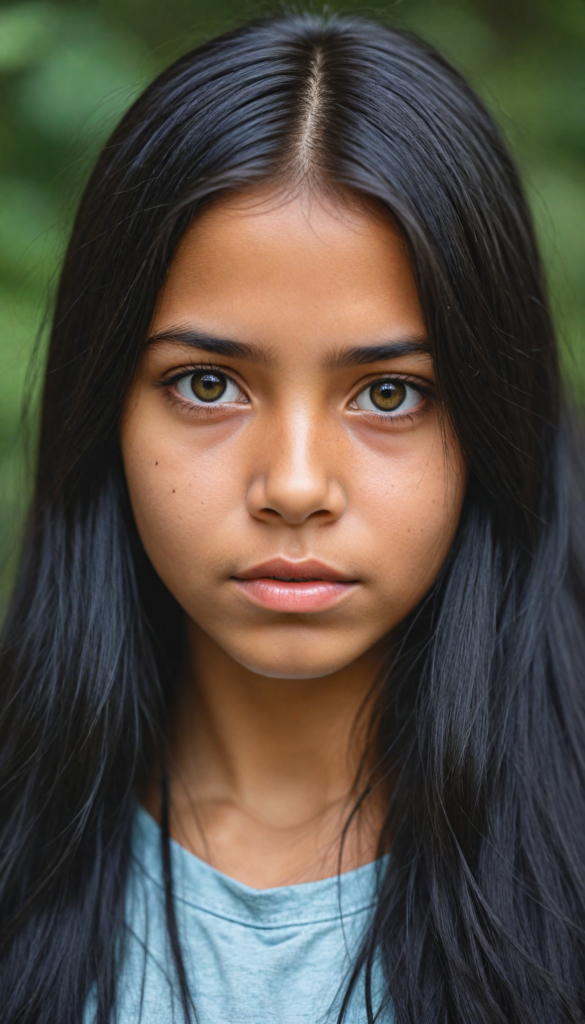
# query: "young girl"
{"type": "Point", "coordinates": [292, 705]}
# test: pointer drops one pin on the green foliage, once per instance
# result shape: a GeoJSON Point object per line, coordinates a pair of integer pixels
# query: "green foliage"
{"type": "Point", "coordinates": [68, 70]}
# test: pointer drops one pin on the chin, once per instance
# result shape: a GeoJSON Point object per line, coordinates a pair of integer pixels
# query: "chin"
{"type": "Point", "coordinates": [292, 664]}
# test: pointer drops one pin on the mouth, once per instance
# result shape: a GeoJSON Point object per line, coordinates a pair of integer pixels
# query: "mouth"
{"type": "Point", "coordinates": [285, 586]}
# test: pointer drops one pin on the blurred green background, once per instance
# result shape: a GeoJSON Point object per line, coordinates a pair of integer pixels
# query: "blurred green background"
{"type": "Point", "coordinates": [68, 69]}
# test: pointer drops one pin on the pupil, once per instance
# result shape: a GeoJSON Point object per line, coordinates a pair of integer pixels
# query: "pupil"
{"type": "Point", "coordinates": [388, 394]}
{"type": "Point", "coordinates": [208, 386]}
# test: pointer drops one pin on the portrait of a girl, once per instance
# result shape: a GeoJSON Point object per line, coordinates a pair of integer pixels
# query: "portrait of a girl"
{"type": "Point", "coordinates": [292, 681]}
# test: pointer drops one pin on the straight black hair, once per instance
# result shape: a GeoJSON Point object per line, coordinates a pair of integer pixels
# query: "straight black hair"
{"type": "Point", "coordinates": [482, 903]}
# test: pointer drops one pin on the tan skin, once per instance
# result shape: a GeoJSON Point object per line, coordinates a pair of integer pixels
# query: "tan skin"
{"type": "Point", "coordinates": [295, 460]}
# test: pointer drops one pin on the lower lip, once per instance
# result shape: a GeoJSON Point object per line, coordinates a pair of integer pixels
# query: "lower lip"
{"type": "Point", "coordinates": [309, 596]}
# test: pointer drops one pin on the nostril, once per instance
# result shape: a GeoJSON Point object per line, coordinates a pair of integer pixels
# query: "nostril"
{"type": "Point", "coordinates": [281, 498]}
{"type": "Point", "coordinates": [274, 512]}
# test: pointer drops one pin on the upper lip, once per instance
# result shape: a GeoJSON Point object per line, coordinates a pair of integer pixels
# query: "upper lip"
{"type": "Point", "coordinates": [282, 569]}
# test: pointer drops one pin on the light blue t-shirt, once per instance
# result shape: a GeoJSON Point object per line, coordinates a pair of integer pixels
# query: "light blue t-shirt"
{"type": "Point", "coordinates": [253, 956]}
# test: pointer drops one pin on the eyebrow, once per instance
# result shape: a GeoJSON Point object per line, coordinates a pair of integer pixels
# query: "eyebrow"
{"type": "Point", "coordinates": [342, 358]}
{"type": "Point", "coordinates": [357, 355]}
{"type": "Point", "coordinates": [210, 343]}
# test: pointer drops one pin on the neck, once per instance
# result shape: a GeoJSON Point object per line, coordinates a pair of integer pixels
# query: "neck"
{"type": "Point", "coordinates": [263, 771]}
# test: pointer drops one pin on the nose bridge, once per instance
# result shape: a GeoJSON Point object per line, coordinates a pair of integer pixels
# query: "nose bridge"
{"type": "Point", "coordinates": [296, 478]}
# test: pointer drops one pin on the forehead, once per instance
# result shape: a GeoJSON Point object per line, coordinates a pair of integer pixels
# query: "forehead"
{"type": "Point", "coordinates": [298, 271]}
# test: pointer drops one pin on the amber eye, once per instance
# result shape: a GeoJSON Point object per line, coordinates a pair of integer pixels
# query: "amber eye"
{"type": "Point", "coordinates": [387, 395]}
{"type": "Point", "coordinates": [208, 386]}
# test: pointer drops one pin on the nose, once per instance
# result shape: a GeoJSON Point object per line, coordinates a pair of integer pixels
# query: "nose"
{"type": "Point", "coordinates": [295, 478]}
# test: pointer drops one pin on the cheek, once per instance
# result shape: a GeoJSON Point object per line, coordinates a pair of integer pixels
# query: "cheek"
{"type": "Point", "coordinates": [182, 500]}
{"type": "Point", "coordinates": [413, 504]}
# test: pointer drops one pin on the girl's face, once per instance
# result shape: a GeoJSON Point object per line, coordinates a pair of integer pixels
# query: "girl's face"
{"type": "Point", "coordinates": [290, 478]}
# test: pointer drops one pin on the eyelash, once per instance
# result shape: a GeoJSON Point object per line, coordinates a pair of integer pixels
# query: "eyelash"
{"type": "Point", "coordinates": [425, 390]}
{"type": "Point", "coordinates": [167, 383]}
{"type": "Point", "coordinates": [191, 408]}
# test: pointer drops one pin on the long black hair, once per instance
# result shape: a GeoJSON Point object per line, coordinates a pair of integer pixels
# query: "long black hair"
{"type": "Point", "coordinates": [482, 905]}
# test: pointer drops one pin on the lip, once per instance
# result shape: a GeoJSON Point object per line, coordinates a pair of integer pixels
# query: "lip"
{"type": "Point", "coordinates": [308, 586]}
